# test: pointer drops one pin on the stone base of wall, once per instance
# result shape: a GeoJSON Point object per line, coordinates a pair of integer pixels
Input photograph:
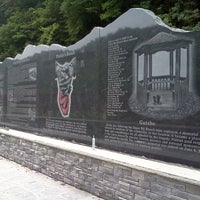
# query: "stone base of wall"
{"type": "Point", "coordinates": [103, 173]}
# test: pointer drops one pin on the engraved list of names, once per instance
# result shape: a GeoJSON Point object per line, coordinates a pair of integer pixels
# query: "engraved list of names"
{"type": "Point", "coordinates": [117, 57]}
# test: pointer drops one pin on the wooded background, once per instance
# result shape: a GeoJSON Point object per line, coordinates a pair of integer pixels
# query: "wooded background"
{"type": "Point", "coordinates": [64, 22]}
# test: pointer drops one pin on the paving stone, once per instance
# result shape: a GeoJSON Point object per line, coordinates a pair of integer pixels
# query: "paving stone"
{"type": "Point", "coordinates": [20, 183]}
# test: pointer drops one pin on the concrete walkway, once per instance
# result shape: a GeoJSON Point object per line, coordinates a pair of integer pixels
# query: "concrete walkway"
{"type": "Point", "coordinates": [20, 183]}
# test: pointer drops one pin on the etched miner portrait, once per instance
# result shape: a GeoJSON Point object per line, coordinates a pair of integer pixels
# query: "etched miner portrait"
{"type": "Point", "coordinates": [65, 76]}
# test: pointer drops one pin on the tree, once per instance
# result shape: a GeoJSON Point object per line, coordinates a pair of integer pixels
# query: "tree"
{"type": "Point", "coordinates": [81, 16]}
{"type": "Point", "coordinates": [184, 14]}
{"type": "Point", "coordinates": [26, 4]}
{"type": "Point", "coordinates": [16, 33]}
{"type": "Point", "coordinates": [50, 21]}
{"type": "Point", "coordinates": [112, 9]}
{"type": "Point", "coordinates": [64, 22]}
{"type": "Point", "coordinates": [6, 9]}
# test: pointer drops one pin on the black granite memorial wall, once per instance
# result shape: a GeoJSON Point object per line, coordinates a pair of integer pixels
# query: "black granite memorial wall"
{"type": "Point", "coordinates": [133, 85]}
{"type": "Point", "coordinates": [2, 96]}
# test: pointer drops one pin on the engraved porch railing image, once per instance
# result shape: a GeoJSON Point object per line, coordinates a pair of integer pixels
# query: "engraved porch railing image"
{"type": "Point", "coordinates": [160, 83]}
{"type": "Point", "coordinates": [162, 92]}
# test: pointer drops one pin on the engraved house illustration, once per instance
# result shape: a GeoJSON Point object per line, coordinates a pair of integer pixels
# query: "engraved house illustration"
{"type": "Point", "coordinates": [162, 70]}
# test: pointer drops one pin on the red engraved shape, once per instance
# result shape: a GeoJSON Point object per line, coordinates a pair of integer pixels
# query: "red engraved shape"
{"type": "Point", "coordinates": [65, 76]}
{"type": "Point", "coordinates": [64, 103]}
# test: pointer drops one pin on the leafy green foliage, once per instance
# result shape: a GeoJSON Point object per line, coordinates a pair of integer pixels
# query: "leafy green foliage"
{"type": "Point", "coordinates": [6, 9]}
{"type": "Point", "coordinates": [25, 22]}
{"type": "Point", "coordinates": [184, 15]}
{"type": "Point", "coordinates": [16, 33]}
{"type": "Point", "coordinates": [81, 16]}
{"type": "Point", "coordinates": [50, 21]}
{"type": "Point", "coordinates": [111, 10]}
